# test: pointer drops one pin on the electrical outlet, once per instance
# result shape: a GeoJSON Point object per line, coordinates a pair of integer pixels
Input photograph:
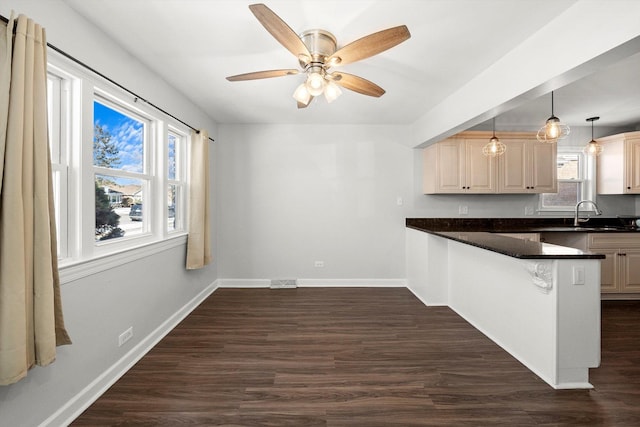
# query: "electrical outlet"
{"type": "Point", "coordinates": [125, 336]}
{"type": "Point", "coordinates": [528, 210]}
{"type": "Point", "coordinates": [463, 210]}
{"type": "Point", "coordinates": [319, 264]}
{"type": "Point", "coordinates": [399, 201]}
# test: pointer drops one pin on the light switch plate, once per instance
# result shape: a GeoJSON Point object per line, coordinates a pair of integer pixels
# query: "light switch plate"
{"type": "Point", "coordinates": [578, 275]}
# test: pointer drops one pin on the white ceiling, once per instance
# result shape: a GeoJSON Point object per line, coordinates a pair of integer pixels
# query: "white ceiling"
{"type": "Point", "coordinates": [195, 44]}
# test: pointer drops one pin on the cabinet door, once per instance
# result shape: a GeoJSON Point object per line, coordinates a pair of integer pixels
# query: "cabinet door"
{"type": "Point", "coordinates": [450, 167]}
{"type": "Point", "coordinates": [512, 168]}
{"type": "Point", "coordinates": [480, 171]}
{"type": "Point", "coordinates": [630, 271]}
{"type": "Point", "coordinates": [633, 166]}
{"type": "Point", "coordinates": [543, 167]}
{"type": "Point", "coordinates": [608, 270]}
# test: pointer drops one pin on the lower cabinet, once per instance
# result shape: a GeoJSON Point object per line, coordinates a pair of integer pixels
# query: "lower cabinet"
{"type": "Point", "coordinates": [620, 271]}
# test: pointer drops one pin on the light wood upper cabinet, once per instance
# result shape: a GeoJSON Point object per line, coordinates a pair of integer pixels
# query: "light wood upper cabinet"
{"type": "Point", "coordinates": [527, 166]}
{"type": "Point", "coordinates": [618, 170]}
{"type": "Point", "coordinates": [457, 165]}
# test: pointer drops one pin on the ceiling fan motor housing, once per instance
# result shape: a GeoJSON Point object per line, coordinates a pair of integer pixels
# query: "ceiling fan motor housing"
{"type": "Point", "coordinates": [321, 45]}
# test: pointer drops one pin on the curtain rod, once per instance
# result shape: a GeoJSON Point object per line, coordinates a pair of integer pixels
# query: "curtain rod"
{"type": "Point", "coordinates": [135, 95]}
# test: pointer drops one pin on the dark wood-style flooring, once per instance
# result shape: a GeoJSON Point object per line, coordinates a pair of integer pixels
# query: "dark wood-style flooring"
{"type": "Point", "coordinates": [358, 357]}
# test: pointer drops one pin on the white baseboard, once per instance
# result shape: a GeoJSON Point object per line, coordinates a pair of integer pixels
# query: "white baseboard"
{"type": "Point", "coordinates": [324, 283]}
{"type": "Point", "coordinates": [353, 283]}
{"type": "Point", "coordinates": [244, 283]}
{"type": "Point", "coordinates": [81, 401]}
{"type": "Point", "coordinates": [423, 301]}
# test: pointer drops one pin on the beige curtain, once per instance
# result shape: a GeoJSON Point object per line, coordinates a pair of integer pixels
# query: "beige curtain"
{"type": "Point", "coordinates": [31, 323]}
{"type": "Point", "coordinates": [199, 243]}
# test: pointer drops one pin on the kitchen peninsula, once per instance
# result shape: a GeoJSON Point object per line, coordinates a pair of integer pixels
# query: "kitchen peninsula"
{"type": "Point", "coordinates": [540, 302]}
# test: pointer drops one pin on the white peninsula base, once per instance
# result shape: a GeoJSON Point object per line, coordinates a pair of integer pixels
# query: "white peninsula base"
{"type": "Point", "coordinates": [544, 312]}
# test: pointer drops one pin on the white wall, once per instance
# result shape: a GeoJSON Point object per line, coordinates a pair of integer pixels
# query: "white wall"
{"type": "Point", "coordinates": [290, 195]}
{"type": "Point", "coordinates": [145, 294]}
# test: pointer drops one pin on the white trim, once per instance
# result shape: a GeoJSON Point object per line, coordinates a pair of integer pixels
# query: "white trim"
{"type": "Point", "coordinates": [244, 283]}
{"type": "Point", "coordinates": [81, 401]}
{"type": "Point", "coordinates": [353, 283]}
{"type": "Point", "coordinates": [77, 270]}
{"type": "Point", "coordinates": [423, 301]}
{"type": "Point", "coordinates": [325, 283]}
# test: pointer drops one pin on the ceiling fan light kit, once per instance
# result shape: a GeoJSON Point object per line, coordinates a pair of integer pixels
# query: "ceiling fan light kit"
{"type": "Point", "coordinates": [317, 51]}
{"type": "Point", "coordinates": [553, 130]}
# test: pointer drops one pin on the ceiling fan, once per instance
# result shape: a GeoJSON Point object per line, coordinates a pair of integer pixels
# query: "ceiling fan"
{"type": "Point", "coordinates": [317, 53]}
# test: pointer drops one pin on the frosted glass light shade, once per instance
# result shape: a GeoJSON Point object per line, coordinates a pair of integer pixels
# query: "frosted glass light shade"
{"type": "Point", "coordinates": [302, 95]}
{"type": "Point", "coordinates": [315, 84]}
{"type": "Point", "coordinates": [332, 92]}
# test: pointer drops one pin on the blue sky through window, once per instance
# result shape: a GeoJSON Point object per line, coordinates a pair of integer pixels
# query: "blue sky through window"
{"type": "Point", "coordinates": [126, 133]}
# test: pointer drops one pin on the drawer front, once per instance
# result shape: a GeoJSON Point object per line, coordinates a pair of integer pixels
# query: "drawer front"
{"type": "Point", "coordinates": [614, 240]}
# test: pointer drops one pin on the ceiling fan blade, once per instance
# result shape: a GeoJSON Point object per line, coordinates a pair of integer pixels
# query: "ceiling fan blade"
{"type": "Point", "coordinates": [280, 30]}
{"type": "Point", "coordinates": [358, 84]}
{"type": "Point", "coordinates": [262, 75]}
{"type": "Point", "coordinates": [369, 45]}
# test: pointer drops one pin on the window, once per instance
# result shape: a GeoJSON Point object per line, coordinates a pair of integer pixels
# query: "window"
{"type": "Point", "coordinates": [176, 171]}
{"type": "Point", "coordinates": [575, 181]}
{"type": "Point", "coordinates": [59, 113]}
{"type": "Point", "coordinates": [119, 168]}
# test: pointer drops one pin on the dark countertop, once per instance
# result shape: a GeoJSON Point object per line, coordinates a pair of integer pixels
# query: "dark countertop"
{"type": "Point", "coordinates": [522, 225]}
{"type": "Point", "coordinates": [469, 232]}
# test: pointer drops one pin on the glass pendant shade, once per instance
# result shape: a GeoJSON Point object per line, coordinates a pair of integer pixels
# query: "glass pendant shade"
{"type": "Point", "coordinates": [553, 130]}
{"type": "Point", "coordinates": [494, 147]}
{"type": "Point", "coordinates": [593, 148]}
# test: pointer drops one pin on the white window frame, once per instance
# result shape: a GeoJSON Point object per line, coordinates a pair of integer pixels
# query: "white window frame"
{"type": "Point", "coordinates": [587, 178]}
{"type": "Point", "coordinates": [179, 180]}
{"type": "Point", "coordinates": [72, 136]}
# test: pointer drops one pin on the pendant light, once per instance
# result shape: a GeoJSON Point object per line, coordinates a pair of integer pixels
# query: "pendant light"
{"type": "Point", "coordinates": [553, 130]}
{"type": "Point", "coordinates": [494, 147]}
{"type": "Point", "coordinates": [593, 148]}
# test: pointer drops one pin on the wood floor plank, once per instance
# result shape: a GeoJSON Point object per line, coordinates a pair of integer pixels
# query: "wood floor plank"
{"type": "Point", "coordinates": [358, 357]}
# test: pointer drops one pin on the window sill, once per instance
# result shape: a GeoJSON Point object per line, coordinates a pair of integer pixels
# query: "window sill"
{"type": "Point", "coordinates": [74, 270]}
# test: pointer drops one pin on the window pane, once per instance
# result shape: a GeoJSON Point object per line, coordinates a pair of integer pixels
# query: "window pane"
{"type": "Point", "coordinates": [118, 140]}
{"type": "Point", "coordinates": [173, 214]}
{"type": "Point", "coordinates": [118, 207]}
{"type": "Point", "coordinates": [171, 167]}
{"type": "Point", "coordinates": [569, 166]}
{"type": "Point", "coordinates": [567, 196]}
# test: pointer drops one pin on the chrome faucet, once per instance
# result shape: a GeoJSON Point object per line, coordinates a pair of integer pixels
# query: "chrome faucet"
{"type": "Point", "coordinates": [576, 218]}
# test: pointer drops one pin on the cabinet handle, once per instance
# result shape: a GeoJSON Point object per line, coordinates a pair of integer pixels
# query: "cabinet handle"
{"type": "Point", "coordinates": [628, 188]}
